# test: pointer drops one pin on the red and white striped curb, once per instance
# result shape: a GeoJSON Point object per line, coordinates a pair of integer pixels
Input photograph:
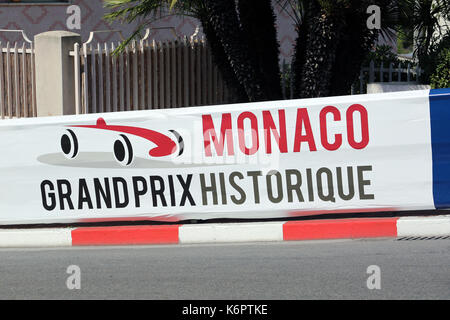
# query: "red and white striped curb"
{"type": "Point", "coordinates": [230, 232]}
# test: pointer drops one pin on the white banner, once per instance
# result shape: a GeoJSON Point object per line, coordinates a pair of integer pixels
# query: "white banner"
{"type": "Point", "coordinates": [253, 160]}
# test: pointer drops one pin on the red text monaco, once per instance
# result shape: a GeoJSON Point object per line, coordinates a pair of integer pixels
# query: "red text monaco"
{"type": "Point", "coordinates": [221, 137]}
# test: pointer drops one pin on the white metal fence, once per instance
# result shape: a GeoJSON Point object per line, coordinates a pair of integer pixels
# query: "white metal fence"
{"type": "Point", "coordinates": [146, 75]}
{"type": "Point", "coordinates": [17, 80]}
{"type": "Point", "coordinates": [402, 72]}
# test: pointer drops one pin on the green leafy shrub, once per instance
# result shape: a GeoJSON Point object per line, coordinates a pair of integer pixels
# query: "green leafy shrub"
{"type": "Point", "coordinates": [382, 53]}
{"type": "Point", "coordinates": [430, 62]}
{"type": "Point", "coordinates": [441, 76]}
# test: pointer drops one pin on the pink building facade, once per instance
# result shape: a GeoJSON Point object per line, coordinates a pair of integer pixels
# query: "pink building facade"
{"type": "Point", "coordinates": [36, 16]}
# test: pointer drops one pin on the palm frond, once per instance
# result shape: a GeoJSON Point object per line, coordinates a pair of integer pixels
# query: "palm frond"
{"type": "Point", "coordinates": [146, 12]}
{"type": "Point", "coordinates": [295, 9]}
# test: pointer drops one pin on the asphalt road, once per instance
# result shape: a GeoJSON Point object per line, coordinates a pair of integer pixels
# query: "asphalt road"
{"type": "Point", "coordinates": [417, 269]}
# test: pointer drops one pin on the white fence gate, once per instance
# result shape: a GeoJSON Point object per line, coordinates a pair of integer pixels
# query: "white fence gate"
{"type": "Point", "coordinates": [17, 79]}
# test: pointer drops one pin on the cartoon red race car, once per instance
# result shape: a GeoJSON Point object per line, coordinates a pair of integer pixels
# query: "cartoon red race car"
{"type": "Point", "coordinates": [123, 150]}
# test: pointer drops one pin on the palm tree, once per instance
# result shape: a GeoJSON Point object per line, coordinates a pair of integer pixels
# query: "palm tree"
{"type": "Point", "coordinates": [227, 34]}
{"type": "Point", "coordinates": [357, 40]}
{"type": "Point", "coordinates": [258, 25]}
{"type": "Point", "coordinates": [323, 32]}
{"type": "Point", "coordinates": [223, 18]}
{"type": "Point", "coordinates": [424, 18]}
{"type": "Point", "coordinates": [332, 42]}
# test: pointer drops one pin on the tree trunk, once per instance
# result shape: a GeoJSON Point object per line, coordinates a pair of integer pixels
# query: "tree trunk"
{"type": "Point", "coordinates": [298, 59]}
{"type": "Point", "coordinates": [322, 42]}
{"type": "Point", "coordinates": [258, 25]}
{"type": "Point", "coordinates": [356, 42]}
{"type": "Point", "coordinates": [220, 59]}
{"type": "Point", "coordinates": [224, 21]}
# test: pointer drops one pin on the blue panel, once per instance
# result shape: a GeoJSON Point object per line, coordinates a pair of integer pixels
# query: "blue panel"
{"type": "Point", "coordinates": [440, 143]}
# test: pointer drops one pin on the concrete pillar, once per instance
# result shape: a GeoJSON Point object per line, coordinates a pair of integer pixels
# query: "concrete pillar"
{"type": "Point", "coordinates": [55, 85]}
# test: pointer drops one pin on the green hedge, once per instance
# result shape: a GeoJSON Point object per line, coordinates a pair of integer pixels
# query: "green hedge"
{"type": "Point", "coordinates": [430, 62]}
{"type": "Point", "coordinates": [441, 76]}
